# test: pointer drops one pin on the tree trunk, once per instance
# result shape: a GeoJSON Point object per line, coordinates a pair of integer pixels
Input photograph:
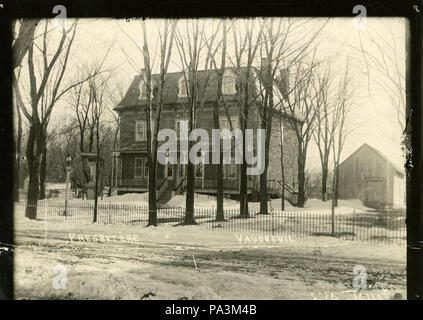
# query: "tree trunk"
{"type": "Point", "coordinates": [189, 203]}
{"type": "Point", "coordinates": [263, 192]}
{"type": "Point", "coordinates": [152, 201]}
{"type": "Point", "coordinates": [220, 216]}
{"type": "Point", "coordinates": [151, 146]}
{"type": "Point", "coordinates": [32, 198]}
{"type": "Point", "coordinates": [33, 159]}
{"type": "Point", "coordinates": [301, 178]}
{"type": "Point", "coordinates": [16, 183]}
{"type": "Point", "coordinates": [336, 186]}
{"type": "Point", "coordinates": [243, 189]}
{"type": "Point", "coordinates": [263, 177]}
{"type": "Point", "coordinates": [84, 167]}
{"type": "Point", "coordinates": [324, 182]}
{"type": "Point", "coordinates": [43, 172]}
{"type": "Point", "coordinates": [281, 142]}
{"type": "Point", "coordinates": [18, 148]}
{"type": "Point", "coordinates": [96, 188]}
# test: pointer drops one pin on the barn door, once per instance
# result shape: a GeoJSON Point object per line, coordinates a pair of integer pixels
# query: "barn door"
{"type": "Point", "coordinates": [375, 192]}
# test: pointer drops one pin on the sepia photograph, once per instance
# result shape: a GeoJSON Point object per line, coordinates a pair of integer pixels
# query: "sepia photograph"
{"type": "Point", "coordinates": [210, 159]}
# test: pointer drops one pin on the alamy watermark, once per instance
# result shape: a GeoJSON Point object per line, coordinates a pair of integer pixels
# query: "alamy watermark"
{"type": "Point", "coordinates": [60, 278]}
{"type": "Point", "coordinates": [200, 153]}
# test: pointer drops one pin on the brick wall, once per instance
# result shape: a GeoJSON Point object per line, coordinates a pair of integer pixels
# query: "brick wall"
{"type": "Point", "coordinates": [205, 120]}
{"type": "Point", "coordinates": [290, 153]}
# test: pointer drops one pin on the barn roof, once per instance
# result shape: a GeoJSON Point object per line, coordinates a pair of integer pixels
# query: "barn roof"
{"type": "Point", "coordinates": [383, 156]}
{"type": "Point", "coordinates": [206, 80]}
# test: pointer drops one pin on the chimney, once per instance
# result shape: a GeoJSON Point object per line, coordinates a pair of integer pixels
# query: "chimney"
{"type": "Point", "coordinates": [283, 82]}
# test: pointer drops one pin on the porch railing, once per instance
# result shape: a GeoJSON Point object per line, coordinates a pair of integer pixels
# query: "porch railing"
{"type": "Point", "coordinates": [133, 183]}
{"type": "Point", "coordinates": [228, 184]}
{"type": "Point", "coordinates": [137, 183]}
{"type": "Point", "coordinates": [161, 187]}
{"type": "Point", "coordinates": [179, 189]}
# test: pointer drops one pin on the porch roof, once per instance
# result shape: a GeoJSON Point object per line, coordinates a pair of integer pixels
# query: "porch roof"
{"type": "Point", "coordinates": [133, 148]}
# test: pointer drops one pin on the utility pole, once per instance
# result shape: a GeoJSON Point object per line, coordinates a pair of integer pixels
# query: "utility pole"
{"type": "Point", "coordinates": [68, 170]}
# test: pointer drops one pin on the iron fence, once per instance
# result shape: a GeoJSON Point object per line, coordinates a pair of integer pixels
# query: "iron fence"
{"type": "Point", "coordinates": [377, 227]}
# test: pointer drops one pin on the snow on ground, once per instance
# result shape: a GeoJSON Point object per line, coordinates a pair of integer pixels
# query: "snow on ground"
{"type": "Point", "coordinates": [202, 201]}
{"type": "Point", "coordinates": [137, 199]}
{"type": "Point", "coordinates": [344, 206]}
{"type": "Point", "coordinates": [312, 205]}
{"type": "Point", "coordinates": [190, 262]}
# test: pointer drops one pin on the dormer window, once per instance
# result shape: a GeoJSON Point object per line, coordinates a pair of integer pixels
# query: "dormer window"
{"type": "Point", "coordinates": [228, 82]}
{"type": "Point", "coordinates": [143, 89]}
{"type": "Point", "coordinates": [182, 86]}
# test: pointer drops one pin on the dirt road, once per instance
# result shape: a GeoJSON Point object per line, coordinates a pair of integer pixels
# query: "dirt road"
{"type": "Point", "coordinates": [85, 261]}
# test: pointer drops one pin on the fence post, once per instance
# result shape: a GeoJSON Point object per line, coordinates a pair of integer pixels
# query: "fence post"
{"type": "Point", "coordinates": [353, 225]}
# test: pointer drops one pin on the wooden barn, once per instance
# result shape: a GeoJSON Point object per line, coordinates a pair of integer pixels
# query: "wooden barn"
{"type": "Point", "coordinates": [370, 176]}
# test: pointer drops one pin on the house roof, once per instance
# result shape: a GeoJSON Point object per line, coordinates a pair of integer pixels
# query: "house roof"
{"type": "Point", "coordinates": [206, 81]}
{"type": "Point", "coordinates": [170, 90]}
{"type": "Point", "coordinates": [383, 156]}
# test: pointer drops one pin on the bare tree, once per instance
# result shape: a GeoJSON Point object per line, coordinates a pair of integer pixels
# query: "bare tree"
{"type": "Point", "coordinates": [36, 117]}
{"type": "Point", "coordinates": [342, 110]}
{"type": "Point", "coordinates": [325, 128]}
{"type": "Point", "coordinates": [218, 103]}
{"type": "Point", "coordinates": [277, 49]}
{"type": "Point", "coordinates": [23, 40]}
{"type": "Point", "coordinates": [155, 105]}
{"type": "Point", "coordinates": [301, 102]}
{"type": "Point", "coordinates": [384, 70]}
{"type": "Point", "coordinates": [81, 100]}
{"type": "Point", "coordinates": [190, 49]}
{"type": "Point", "coordinates": [246, 44]}
{"type": "Point", "coordinates": [20, 45]}
{"type": "Point", "coordinates": [99, 93]}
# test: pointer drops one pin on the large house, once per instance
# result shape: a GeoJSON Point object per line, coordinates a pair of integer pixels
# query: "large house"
{"type": "Point", "coordinates": [130, 170]}
{"type": "Point", "coordinates": [367, 174]}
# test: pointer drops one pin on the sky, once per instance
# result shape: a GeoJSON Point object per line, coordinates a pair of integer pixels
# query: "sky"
{"type": "Point", "coordinates": [339, 42]}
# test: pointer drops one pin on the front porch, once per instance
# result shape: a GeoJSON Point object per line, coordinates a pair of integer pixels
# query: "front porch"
{"type": "Point", "coordinates": [230, 186]}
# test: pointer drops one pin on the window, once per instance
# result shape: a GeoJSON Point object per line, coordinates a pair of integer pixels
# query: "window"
{"type": "Point", "coordinates": [139, 165]}
{"type": "Point", "coordinates": [228, 83]}
{"type": "Point", "coordinates": [199, 170]}
{"type": "Point", "coordinates": [182, 86]}
{"type": "Point", "coordinates": [142, 90]}
{"type": "Point", "coordinates": [225, 124]}
{"type": "Point", "coordinates": [141, 168]}
{"type": "Point", "coordinates": [140, 131]}
{"type": "Point", "coordinates": [142, 87]}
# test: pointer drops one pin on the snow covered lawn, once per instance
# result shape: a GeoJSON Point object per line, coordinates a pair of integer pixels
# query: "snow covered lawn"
{"type": "Point", "coordinates": [353, 221]}
{"type": "Point", "coordinates": [124, 262]}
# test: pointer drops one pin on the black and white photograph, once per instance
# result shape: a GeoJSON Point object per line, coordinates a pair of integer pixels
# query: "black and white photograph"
{"type": "Point", "coordinates": [210, 158]}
